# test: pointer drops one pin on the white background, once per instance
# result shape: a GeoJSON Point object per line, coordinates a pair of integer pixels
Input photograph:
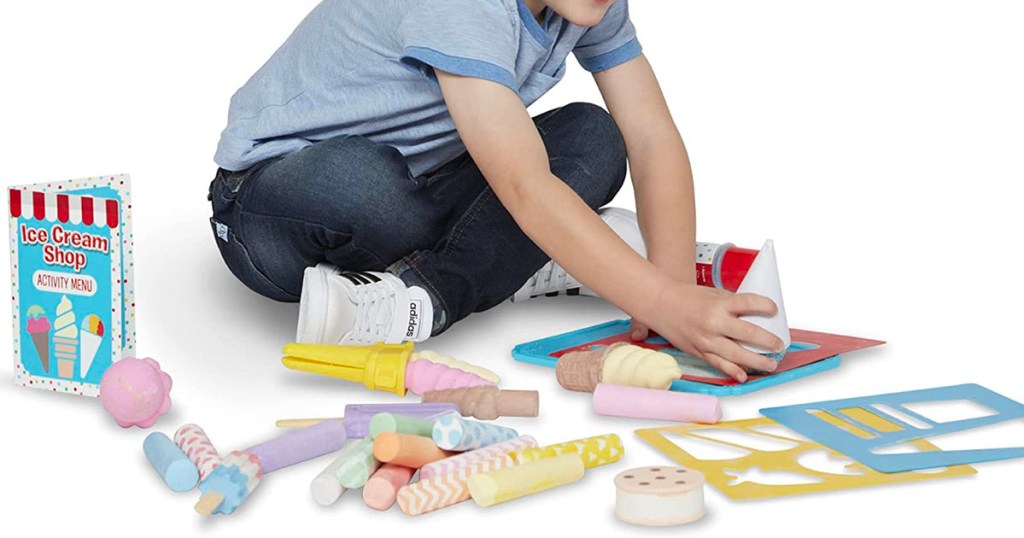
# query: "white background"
{"type": "Point", "coordinates": [878, 142]}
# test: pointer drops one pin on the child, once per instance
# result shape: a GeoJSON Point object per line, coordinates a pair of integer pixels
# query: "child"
{"type": "Point", "coordinates": [381, 168]}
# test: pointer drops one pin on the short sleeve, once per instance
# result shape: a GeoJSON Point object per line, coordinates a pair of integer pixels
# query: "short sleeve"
{"type": "Point", "coordinates": [610, 42]}
{"type": "Point", "coordinates": [472, 38]}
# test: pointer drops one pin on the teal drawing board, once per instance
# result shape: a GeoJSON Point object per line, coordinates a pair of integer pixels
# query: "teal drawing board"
{"type": "Point", "coordinates": [810, 353]}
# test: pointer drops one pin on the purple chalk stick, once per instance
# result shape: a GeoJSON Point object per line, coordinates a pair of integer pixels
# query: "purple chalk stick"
{"type": "Point", "coordinates": [300, 445]}
{"type": "Point", "coordinates": [357, 417]}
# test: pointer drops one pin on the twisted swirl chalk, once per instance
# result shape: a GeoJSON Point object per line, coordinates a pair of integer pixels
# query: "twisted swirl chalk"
{"type": "Point", "coordinates": [489, 403]}
{"type": "Point", "coordinates": [423, 376]}
{"type": "Point", "coordinates": [452, 362]}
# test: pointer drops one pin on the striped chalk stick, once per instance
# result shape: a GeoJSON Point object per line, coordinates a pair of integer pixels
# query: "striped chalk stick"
{"type": "Point", "coordinates": [594, 451]}
{"type": "Point", "coordinates": [447, 489]}
{"type": "Point", "coordinates": [466, 459]}
{"type": "Point", "coordinates": [452, 432]}
{"type": "Point", "coordinates": [192, 440]}
{"type": "Point", "coordinates": [502, 485]}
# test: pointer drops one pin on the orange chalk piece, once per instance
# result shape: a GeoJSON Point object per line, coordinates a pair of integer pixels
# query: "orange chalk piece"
{"type": "Point", "coordinates": [381, 491]}
{"type": "Point", "coordinates": [406, 450]}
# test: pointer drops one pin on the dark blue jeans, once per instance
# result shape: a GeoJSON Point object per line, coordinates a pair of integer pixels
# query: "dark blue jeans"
{"type": "Point", "coordinates": [353, 203]}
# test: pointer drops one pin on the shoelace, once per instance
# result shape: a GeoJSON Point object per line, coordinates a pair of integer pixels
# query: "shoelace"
{"type": "Point", "coordinates": [374, 311]}
{"type": "Point", "coordinates": [551, 278]}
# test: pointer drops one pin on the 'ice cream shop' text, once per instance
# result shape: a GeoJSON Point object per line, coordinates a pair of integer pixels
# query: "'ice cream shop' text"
{"type": "Point", "coordinates": [63, 247]}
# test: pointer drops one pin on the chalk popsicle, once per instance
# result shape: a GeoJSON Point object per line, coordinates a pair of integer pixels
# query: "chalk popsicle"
{"type": "Point", "coordinates": [381, 490]}
{"type": "Point", "coordinates": [358, 416]}
{"type": "Point", "coordinates": [465, 459]}
{"type": "Point", "coordinates": [174, 467]}
{"type": "Point", "coordinates": [299, 446]}
{"type": "Point", "coordinates": [406, 450]}
{"type": "Point", "coordinates": [447, 489]}
{"type": "Point", "coordinates": [636, 402]}
{"type": "Point", "coordinates": [496, 487]}
{"type": "Point", "coordinates": [230, 484]}
{"type": "Point", "coordinates": [452, 432]}
{"type": "Point", "coordinates": [193, 441]}
{"type": "Point", "coordinates": [390, 422]}
{"type": "Point", "coordinates": [594, 451]}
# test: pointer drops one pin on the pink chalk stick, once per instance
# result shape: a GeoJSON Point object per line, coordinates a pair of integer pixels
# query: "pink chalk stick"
{"type": "Point", "coordinates": [637, 402]}
{"type": "Point", "coordinates": [381, 490]}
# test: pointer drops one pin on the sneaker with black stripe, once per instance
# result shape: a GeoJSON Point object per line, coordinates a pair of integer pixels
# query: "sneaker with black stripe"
{"type": "Point", "coordinates": [552, 281]}
{"type": "Point", "coordinates": [361, 308]}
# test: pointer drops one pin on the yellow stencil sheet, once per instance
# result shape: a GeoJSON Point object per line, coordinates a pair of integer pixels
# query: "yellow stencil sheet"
{"type": "Point", "coordinates": [723, 473]}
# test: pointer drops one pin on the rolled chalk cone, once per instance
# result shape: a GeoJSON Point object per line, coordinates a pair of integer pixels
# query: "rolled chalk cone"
{"type": "Point", "coordinates": [763, 279]}
{"type": "Point", "coordinates": [496, 487]}
{"type": "Point", "coordinates": [617, 364]}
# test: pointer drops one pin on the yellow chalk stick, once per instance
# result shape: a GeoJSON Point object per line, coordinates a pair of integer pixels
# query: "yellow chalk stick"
{"type": "Point", "coordinates": [489, 489]}
{"type": "Point", "coordinates": [595, 451]}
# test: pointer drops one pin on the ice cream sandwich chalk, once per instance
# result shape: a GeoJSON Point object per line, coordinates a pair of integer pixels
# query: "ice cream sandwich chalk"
{"type": "Point", "coordinates": [659, 496]}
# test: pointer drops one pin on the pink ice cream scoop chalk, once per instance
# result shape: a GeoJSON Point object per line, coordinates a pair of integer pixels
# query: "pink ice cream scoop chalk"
{"type": "Point", "coordinates": [136, 392]}
{"type": "Point", "coordinates": [636, 402]}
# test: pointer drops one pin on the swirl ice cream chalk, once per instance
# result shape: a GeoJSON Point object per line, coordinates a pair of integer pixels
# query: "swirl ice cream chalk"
{"type": "Point", "coordinates": [489, 403]}
{"type": "Point", "coordinates": [617, 364]}
{"type": "Point", "coordinates": [386, 367]}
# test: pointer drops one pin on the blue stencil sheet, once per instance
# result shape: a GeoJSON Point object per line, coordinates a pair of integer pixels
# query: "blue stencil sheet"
{"type": "Point", "coordinates": [863, 448]}
{"type": "Point", "coordinates": [539, 352]}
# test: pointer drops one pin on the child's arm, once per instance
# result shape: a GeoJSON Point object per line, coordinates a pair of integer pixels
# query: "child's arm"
{"type": "Point", "coordinates": [659, 167]}
{"type": "Point", "coordinates": [504, 143]}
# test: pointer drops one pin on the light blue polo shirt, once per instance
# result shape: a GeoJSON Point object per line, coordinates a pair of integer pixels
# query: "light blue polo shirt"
{"type": "Point", "coordinates": [365, 67]}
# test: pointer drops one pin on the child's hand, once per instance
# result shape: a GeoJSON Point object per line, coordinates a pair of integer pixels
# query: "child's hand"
{"type": "Point", "coordinates": [704, 322]}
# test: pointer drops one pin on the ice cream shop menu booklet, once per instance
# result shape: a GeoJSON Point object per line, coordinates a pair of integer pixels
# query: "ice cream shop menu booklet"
{"type": "Point", "coordinates": [73, 291]}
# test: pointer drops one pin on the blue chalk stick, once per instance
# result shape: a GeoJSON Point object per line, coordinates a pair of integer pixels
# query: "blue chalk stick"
{"type": "Point", "coordinates": [178, 472]}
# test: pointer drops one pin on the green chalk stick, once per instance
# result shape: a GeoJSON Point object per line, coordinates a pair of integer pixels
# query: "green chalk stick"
{"type": "Point", "coordinates": [390, 422]}
{"type": "Point", "coordinates": [358, 465]}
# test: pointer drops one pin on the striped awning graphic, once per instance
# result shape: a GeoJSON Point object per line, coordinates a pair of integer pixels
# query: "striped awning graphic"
{"type": "Point", "coordinates": [54, 207]}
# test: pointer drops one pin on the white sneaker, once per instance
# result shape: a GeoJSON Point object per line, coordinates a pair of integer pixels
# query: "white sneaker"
{"type": "Point", "coordinates": [551, 280]}
{"type": "Point", "coordinates": [361, 308]}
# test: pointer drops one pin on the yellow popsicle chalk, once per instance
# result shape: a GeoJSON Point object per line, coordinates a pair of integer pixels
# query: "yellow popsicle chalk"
{"type": "Point", "coordinates": [594, 451]}
{"type": "Point", "coordinates": [496, 487]}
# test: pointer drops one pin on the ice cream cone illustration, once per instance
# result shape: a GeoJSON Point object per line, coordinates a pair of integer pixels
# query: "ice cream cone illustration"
{"type": "Point", "coordinates": [38, 328]}
{"type": "Point", "coordinates": [65, 338]}
{"type": "Point", "coordinates": [90, 338]}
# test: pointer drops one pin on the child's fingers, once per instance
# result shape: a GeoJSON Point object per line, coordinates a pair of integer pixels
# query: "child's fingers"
{"type": "Point", "coordinates": [735, 353]}
{"type": "Point", "coordinates": [748, 333]}
{"type": "Point", "coordinates": [726, 367]}
{"type": "Point", "coordinates": [637, 331]}
{"type": "Point", "coordinates": [749, 304]}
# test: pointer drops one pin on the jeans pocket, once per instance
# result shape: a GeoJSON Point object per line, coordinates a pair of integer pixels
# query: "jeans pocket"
{"type": "Point", "coordinates": [240, 263]}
